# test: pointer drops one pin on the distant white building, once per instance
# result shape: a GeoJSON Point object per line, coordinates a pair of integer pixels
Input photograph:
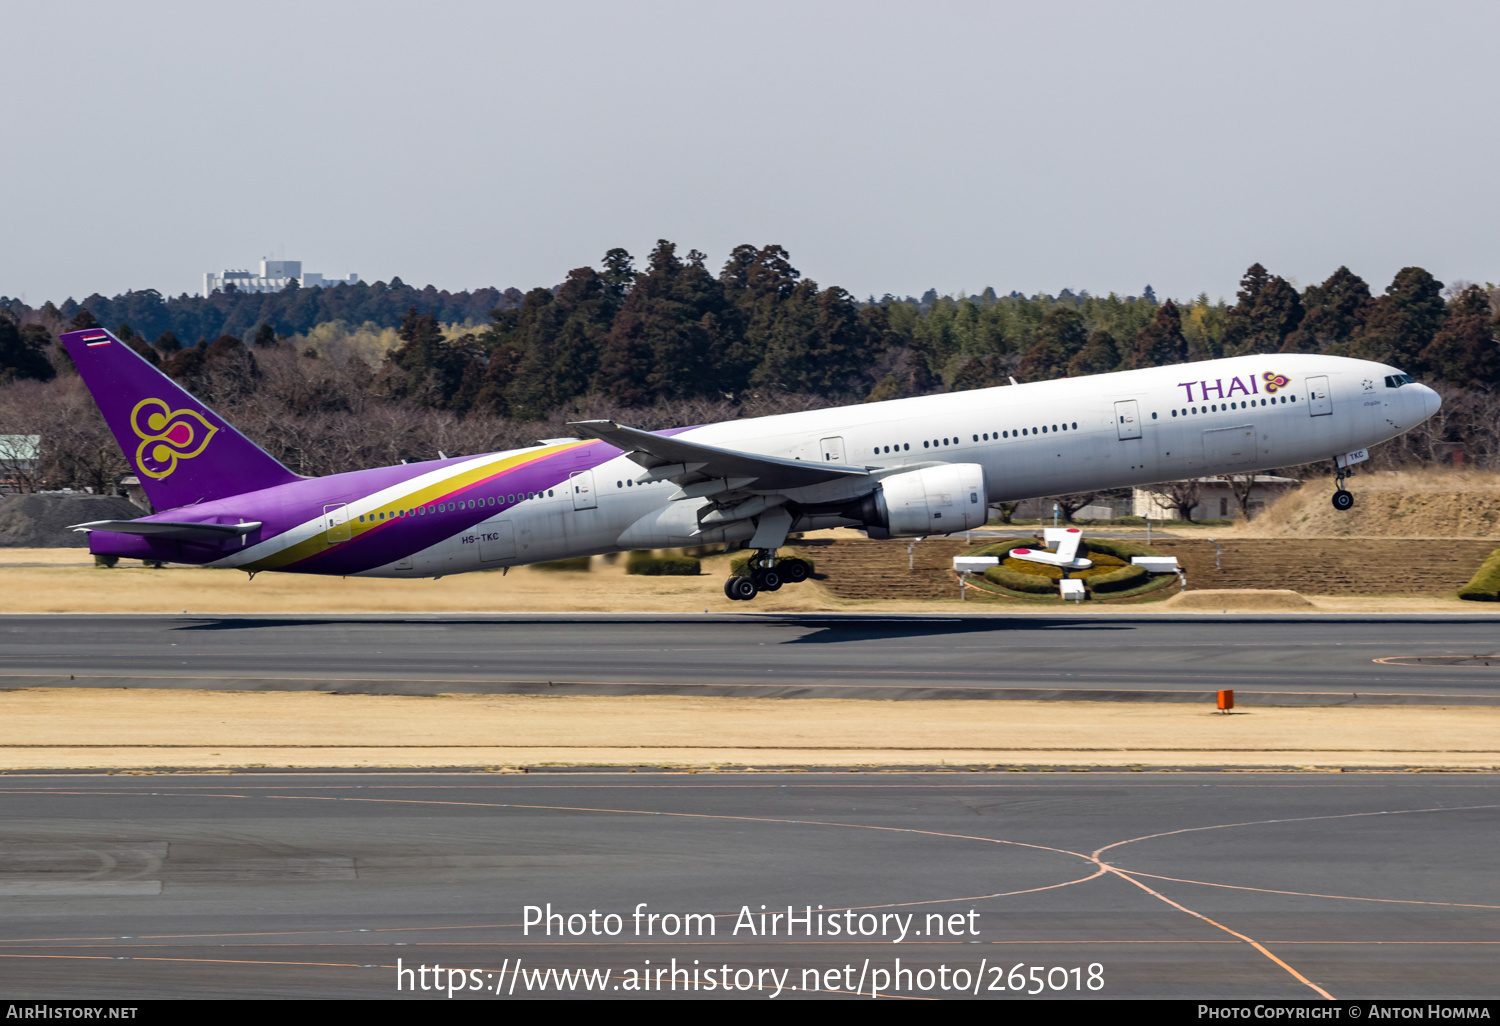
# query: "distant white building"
{"type": "Point", "coordinates": [274, 276]}
{"type": "Point", "coordinates": [1216, 499]}
{"type": "Point", "coordinates": [19, 455]}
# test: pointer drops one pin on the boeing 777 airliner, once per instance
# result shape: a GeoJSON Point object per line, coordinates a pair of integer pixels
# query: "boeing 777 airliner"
{"type": "Point", "coordinates": [904, 468]}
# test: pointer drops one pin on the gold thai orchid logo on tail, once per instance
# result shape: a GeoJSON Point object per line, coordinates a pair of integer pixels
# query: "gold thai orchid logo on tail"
{"type": "Point", "coordinates": [167, 435]}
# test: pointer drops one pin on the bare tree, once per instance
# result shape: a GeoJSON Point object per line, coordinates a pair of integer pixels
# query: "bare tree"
{"type": "Point", "coordinates": [1240, 486]}
{"type": "Point", "coordinates": [1072, 503]}
{"type": "Point", "coordinates": [1005, 510]}
{"type": "Point", "coordinates": [1181, 496]}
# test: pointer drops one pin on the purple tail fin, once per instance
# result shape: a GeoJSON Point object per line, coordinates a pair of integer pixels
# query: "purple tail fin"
{"type": "Point", "coordinates": [183, 451]}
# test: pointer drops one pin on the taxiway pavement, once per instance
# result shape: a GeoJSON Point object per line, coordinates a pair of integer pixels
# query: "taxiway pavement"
{"type": "Point", "coordinates": [1181, 885]}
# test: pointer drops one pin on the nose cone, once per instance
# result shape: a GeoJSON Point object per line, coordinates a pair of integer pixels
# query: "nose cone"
{"type": "Point", "coordinates": [1431, 401]}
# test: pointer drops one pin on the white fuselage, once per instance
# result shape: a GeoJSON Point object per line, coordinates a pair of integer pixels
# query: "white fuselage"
{"type": "Point", "coordinates": [1228, 416]}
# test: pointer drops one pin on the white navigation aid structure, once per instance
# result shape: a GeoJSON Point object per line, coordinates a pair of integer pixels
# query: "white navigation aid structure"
{"type": "Point", "coordinates": [1065, 550]}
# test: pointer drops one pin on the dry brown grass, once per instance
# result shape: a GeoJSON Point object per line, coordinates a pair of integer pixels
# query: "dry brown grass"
{"type": "Point", "coordinates": [1409, 504]}
{"type": "Point", "coordinates": [67, 582]}
{"type": "Point", "coordinates": [70, 584]}
{"type": "Point", "coordinates": [119, 729]}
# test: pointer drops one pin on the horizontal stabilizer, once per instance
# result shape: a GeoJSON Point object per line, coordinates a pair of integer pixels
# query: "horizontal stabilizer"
{"type": "Point", "coordinates": [707, 462]}
{"type": "Point", "coordinates": [171, 530]}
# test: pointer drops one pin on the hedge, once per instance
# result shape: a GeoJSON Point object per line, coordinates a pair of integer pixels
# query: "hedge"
{"type": "Point", "coordinates": [1029, 569]}
{"type": "Point", "coordinates": [1119, 549]}
{"type": "Point", "coordinates": [579, 565]}
{"type": "Point", "coordinates": [1001, 549]}
{"type": "Point", "coordinates": [741, 567]}
{"type": "Point", "coordinates": [1485, 587]}
{"type": "Point", "coordinates": [664, 566]}
{"type": "Point", "coordinates": [1033, 583]}
{"type": "Point", "coordinates": [1117, 580]}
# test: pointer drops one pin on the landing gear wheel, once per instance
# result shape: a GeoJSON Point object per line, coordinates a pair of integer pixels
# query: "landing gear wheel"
{"type": "Point", "coordinates": [768, 579]}
{"type": "Point", "coordinates": [793, 571]}
{"type": "Point", "coordinates": [1342, 500]}
{"type": "Point", "coordinates": [740, 589]}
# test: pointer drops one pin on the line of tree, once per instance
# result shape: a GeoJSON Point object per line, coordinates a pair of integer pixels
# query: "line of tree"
{"type": "Point", "coordinates": [293, 310]}
{"type": "Point", "coordinates": [673, 342]}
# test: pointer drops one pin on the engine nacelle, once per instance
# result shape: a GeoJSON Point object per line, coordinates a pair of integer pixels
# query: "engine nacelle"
{"type": "Point", "coordinates": [933, 500]}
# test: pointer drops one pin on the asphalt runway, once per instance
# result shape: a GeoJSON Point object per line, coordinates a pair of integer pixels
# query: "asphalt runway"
{"type": "Point", "coordinates": [1271, 659]}
{"type": "Point", "coordinates": [1175, 885]}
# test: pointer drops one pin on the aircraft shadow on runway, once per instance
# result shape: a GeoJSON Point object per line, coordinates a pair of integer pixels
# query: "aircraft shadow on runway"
{"type": "Point", "coordinates": [826, 629]}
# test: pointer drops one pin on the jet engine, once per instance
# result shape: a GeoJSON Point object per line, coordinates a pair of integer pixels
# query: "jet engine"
{"type": "Point", "coordinates": [933, 500]}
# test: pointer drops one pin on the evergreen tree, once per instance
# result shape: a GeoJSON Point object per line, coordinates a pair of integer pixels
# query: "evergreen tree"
{"type": "Point", "coordinates": [167, 345]}
{"type": "Point", "coordinates": [1100, 355]}
{"type": "Point", "coordinates": [1060, 337]}
{"type": "Point", "coordinates": [426, 369]}
{"type": "Point", "coordinates": [1466, 351]}
{"type": "Point", "coordinates": [1268, 310]}
{"type": "Point", "coordinates": [23, 351]}
{"type": "Point", "coordinates": [1336, 309]}
{"type": "Point", "coordinates": [662, 343]}
{"type": "Point", "coordinates": [557, 341]}
{"type": "Point", "coordinates": [1159, 343]}
{"type": "Point", "coordinates": [1403, 322]}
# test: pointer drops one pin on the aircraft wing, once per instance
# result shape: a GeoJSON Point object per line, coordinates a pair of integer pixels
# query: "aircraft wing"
{"type": "Point", "coordinates": [688, 463]}
{"type": "Point", "coordinates": [175, 531]}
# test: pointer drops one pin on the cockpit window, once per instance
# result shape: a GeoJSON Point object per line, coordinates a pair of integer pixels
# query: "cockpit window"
{"type": "Point", "coordinates": [1397, 380]}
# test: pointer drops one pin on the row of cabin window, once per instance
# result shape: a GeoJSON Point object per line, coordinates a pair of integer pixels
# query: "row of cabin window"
{"type": "Point", "coordinates": [939, 442]}
{"type": "Point", "coordinates": [1217, 407]}
{"type": "Point", "coordinates": [448, 507]}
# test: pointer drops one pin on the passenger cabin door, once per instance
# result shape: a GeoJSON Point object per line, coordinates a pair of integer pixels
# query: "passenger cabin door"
{"type": "Point", "coordinates": [833, 450]}
{"type": "Point", "coordinates": [582, 483]}
{"type": "Point", "coordinates": [1319, 399]}
{"type": "Point", "coordinates": [1128, 419]}
{"type": "Point", "coordinates": [336, 522]}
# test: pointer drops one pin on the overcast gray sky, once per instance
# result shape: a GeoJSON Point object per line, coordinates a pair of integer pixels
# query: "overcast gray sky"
{"type": "Point", "coordinates": [890, 147]}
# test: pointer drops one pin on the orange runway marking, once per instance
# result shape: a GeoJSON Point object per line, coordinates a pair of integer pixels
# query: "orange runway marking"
{"type": "Point", "coordinates": [1309, 894]}
{"type": "Point", "coordinates": [1248, 940]}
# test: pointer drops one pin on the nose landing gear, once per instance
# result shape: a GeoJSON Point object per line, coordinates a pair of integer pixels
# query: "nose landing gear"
{"type": "Point", "coordinates": [766, 573]}
{"type": "Point", "coordinates": [1342, 498]}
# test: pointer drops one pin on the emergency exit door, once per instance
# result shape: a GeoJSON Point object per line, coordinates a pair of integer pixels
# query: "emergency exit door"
{"type": "Point", "coordinates": [582, 484]}
{"type": "Point", "coordinates": [1128, 419]}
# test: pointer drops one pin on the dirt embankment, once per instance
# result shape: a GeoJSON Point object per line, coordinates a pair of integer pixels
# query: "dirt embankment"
{"type": "Point", "coordinates": [1416, 504]}
{"type": "Point", "coordinates": [44, 521]}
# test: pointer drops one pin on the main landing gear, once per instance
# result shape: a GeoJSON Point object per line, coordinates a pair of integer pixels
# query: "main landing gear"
{"type": "Point", "coordinates": [1342, 499]}
{"type": "Point", "coordinates": [767, 573]}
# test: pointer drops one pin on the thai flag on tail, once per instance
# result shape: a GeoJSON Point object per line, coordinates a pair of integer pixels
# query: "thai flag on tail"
{"type": "Point", "coordinates": [100, 339]}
